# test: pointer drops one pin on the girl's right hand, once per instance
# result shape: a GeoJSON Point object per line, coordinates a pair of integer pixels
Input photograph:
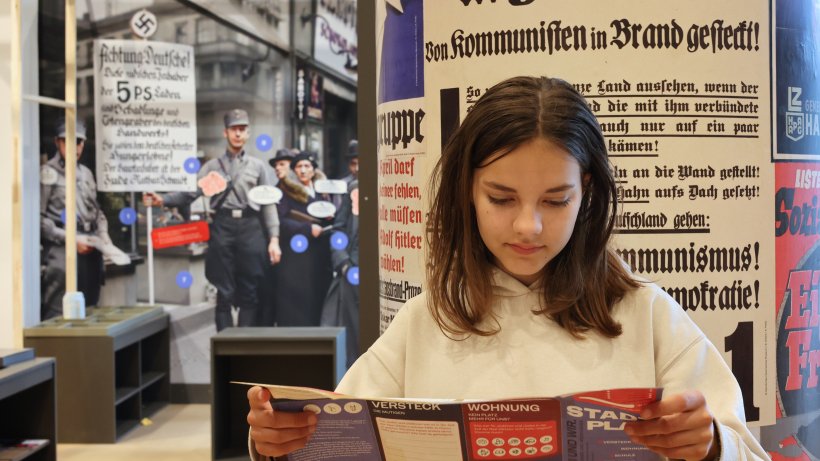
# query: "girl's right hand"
{"type": "Point", "coordinates": [277, 433]}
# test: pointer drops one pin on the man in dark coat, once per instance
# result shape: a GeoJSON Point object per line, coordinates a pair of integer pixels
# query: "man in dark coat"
{"type": "Point", "coordinates": [341, 308]}
{"type": "Point", "coordinates": [352, 162]}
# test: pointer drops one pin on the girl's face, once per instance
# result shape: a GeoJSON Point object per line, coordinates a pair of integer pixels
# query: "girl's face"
{"type": "Point", "coordinates": [526, 205]}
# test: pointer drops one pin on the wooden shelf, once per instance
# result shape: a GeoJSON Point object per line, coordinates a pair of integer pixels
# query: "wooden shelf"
{"type": "Point", "coordinates": [21, 453]}
{"type": "Point", "coordinates": [125, 425]}
{"type": "Point", "coordinates": [28, 392]}
{"type": "Point", "coordinates": [107, 380]}
{"type": "Point", "coordinates": [151, 408]}
{"type": "Point", "coordinates": [303, 356]}
{"type": "Point", "coordinates": [125, 393]}
{"type": "Point", "coordinates": [152, 377]}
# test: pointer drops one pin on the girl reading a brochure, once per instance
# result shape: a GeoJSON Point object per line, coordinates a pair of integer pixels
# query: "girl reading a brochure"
{"type": "Point", "coordinates": [524, 296]}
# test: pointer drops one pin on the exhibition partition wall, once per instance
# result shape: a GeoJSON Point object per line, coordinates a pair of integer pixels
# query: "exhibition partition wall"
{"type": "Point", "coordinates": [710, 114]}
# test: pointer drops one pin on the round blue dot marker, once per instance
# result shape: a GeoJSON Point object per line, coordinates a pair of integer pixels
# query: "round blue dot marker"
{"type": "Point", "coordinates": [191, 165]}
{"type": "Point", "coordinates": [353, 275]}
{"type": "Point", "coordinates": [184, 279]}
{"type": "Point", "coordinates": [339, 240]}
{"type": "Point", "coordinates": [264, 142]}
{"type": "Point", "coordinates": [299, 243]}
{"type": "Point", "coordinates": [128, 216]}
{"type": "Point", "coordinates": [63, 215]}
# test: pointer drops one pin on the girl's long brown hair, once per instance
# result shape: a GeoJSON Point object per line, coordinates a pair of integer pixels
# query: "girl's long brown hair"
{"type": "Point", "coordinates": [583, 282]}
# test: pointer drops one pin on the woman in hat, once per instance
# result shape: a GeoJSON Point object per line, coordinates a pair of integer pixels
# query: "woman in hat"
{"type": "Point", "coordinates": [305, 275]}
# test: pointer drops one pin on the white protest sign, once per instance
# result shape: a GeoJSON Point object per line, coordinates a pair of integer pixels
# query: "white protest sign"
{"type": "Point", "coordinates": [330, 186]}
{"type": "Point", "coordinates": [145, 111]}
{"type": "Point", "coordinates": [264, 195]}
{"type": "Point", "coordinates": [321, 209]}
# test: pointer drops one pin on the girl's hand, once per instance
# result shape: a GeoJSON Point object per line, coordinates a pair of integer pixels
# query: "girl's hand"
{"type": "Point", "coordinates": [276, 433]}
{"type": "Point", "coordinates": [679, 427]}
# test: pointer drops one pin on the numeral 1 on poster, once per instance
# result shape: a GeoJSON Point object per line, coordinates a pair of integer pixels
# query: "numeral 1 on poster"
{"type": "Point", "coordinates": [741, 344]}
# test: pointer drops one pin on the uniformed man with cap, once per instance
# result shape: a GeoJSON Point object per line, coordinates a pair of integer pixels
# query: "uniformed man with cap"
{"type": "Point", "coordinates": [90, 222]}
{"type": "Point", "coordinates": [236, 258]}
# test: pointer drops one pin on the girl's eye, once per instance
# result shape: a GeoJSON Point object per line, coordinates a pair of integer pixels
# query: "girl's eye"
{"type": "Point", "coordinates": [498, 201]}
{"type": "Point", "coordinates": [557, 203]}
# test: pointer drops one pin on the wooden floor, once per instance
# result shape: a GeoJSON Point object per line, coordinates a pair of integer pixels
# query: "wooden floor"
{"type": "Point", "coordinates": [177, 432]}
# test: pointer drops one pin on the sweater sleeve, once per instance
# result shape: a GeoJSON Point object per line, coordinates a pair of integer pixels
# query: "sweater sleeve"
{"type": "Point", "coordinates": [695, 363]}
{"type": "Point", "coordinates": [379, 372]}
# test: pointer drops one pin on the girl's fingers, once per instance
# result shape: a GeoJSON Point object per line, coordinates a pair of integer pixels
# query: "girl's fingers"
{"type": "Point", "coordinates": [281, 436]}
{"type": "Point", "coordinates": [273, 449]}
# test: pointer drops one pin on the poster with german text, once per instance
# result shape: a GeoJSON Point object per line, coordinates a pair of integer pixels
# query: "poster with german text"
{"type": "Point", "coordinates": [403, 164]}
{"type": "Point", "coordinates": [682, 92]}
{"type": "Point", "coordinates": [796, 151]}
{"type": "Point", "coordinates": [145, 115]}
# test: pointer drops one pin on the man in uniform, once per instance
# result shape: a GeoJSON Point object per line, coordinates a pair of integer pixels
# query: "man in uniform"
{"type": "Point", "coordinates": [236, 258]}
{"type": "Point", "coordinates": [90, 222]}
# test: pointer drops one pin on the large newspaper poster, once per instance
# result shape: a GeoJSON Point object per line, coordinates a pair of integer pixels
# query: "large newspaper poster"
{"type": "Point", "coordinates": [798, 318]}
{"type": "Point", "coordinates": [403, 133]}
{"type": "Point", "coordinates": [796, 151]}
{"type": "Point", "coordinates": [145, 116]}
{"type": "Point", "coordinates": [682, 92]}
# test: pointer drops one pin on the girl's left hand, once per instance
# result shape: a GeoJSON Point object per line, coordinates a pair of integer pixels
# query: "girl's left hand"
{"type": "Point", "coordinates": [680, 426]}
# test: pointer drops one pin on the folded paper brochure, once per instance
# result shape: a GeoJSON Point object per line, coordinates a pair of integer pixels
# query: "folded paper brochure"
{"type": "Point", "coordinates": [577, 427]}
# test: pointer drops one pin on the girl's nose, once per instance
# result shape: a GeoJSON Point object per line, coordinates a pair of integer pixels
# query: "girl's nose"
{"type": "Point", "coordinates": [528, 222]}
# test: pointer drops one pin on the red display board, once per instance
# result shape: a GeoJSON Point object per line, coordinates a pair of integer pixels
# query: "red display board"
{"type": "Point", "coordinates": [181, 234]}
